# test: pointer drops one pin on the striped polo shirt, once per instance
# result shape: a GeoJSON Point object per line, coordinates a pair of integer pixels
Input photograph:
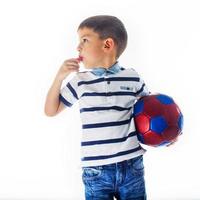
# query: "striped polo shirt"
{"type": "Point", "coordinates": [106, 98]}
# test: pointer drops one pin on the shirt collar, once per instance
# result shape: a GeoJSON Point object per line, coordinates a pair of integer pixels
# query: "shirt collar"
{"type": "Point", "coordinates": [100, 71]}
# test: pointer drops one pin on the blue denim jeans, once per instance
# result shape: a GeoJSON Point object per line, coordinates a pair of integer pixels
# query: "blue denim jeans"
{"type": "Point", "coordinates": [123, 180]}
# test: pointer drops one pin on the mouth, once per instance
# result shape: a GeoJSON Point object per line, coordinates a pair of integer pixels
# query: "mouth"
{"type": "Point", "coordinates": [80, 58]}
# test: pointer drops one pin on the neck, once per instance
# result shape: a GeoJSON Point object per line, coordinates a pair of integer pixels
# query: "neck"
{"type": "Point", "coordinates": [108, 63]}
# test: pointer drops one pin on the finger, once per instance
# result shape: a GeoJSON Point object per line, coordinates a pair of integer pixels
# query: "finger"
{"type": "Point", "coordinates": [74, 70]}
{"type": "Point", "coordinates": [72, 67]}
{"type": "Point", "coordinates": [71, 64]}
{"type": "Point", "coordinates": [72, 60]}
{"type": "Point", "coordinates": [170, 144]}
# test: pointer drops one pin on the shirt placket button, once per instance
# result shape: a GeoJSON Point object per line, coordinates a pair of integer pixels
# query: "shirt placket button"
{"type": "Point", "coordinates": [109, 97]}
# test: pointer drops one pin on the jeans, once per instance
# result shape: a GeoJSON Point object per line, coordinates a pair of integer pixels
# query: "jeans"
{"type": "Point", "coordinates": [123, 180]}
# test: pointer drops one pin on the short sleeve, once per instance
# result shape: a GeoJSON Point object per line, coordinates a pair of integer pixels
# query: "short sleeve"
{"type": "Point", "coordinates": [141, 88]}
{"type": "Point", "coordinates": [69, 93]}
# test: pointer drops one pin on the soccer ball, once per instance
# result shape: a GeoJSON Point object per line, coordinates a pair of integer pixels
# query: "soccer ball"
{"type": "Point", "coordinates": [158, 120]}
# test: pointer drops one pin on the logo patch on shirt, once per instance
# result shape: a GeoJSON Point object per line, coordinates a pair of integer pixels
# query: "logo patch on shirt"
{"type": "Point", "coordinates": [126, 88]}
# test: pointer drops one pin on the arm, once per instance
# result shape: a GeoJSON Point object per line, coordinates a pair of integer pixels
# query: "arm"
{"type": "Point", "coordinates": [53, 105]}
{"type": "Point", "coordinates": [142, 89]}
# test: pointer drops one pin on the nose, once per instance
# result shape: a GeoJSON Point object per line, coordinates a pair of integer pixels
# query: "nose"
{"type": "Point", "coordinates": [79, 47]}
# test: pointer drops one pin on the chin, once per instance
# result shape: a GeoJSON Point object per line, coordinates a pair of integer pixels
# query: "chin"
{"type": "Point", "coordinates": [87, 66]}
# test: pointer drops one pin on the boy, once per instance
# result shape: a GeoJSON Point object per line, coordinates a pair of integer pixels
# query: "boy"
{"type": "Point", "coordinates": [112, 158]}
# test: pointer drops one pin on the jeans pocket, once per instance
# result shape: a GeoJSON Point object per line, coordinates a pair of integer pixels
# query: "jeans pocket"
{"type": "Point", "coordinates": [137, 166]}
{"type": "Point", "coordinates": [91, 173]}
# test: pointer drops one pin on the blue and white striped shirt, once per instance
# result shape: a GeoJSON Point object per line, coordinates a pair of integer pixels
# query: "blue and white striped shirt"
{"type": "Point", "coordinates": [106, 98]}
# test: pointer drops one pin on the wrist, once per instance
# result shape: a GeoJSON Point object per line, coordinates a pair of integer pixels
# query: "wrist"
{"type": "Point", "coordinates": [60, 77]}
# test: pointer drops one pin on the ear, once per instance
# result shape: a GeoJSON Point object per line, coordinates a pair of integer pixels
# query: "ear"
{"type": "Point", "coordinates": [109, 44]}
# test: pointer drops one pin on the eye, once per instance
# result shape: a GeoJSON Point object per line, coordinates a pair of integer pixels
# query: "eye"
{"type": "Point", "coordinates": [84, 40]}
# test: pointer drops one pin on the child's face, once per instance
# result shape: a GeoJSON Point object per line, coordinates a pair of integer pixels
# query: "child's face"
{"type": "Point", "coordinates": [91, 48]}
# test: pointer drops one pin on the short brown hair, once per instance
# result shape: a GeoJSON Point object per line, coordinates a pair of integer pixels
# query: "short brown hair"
{"type": "Point", "coordinates": [108, 26]}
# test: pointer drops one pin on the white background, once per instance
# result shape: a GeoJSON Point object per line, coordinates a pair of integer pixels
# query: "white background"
{"type": "Point", "coordinates": [39, 155]}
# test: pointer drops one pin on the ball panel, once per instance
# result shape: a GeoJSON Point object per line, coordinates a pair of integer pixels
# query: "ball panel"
{"type": "Point", "coordinates": [158, 124]}
{"type": "Point", "coordinates": [171, 133]}
{"type": "Point", "coordinates": [180, 122]}
{"type": "Point", "coordinates": [164, 99]}
{"type": "Point", "coordinates": [153, 139]}
{"type": "Point", "coordinates": [142, 123]}
{"type": "Point", "coordinates": [171, 114]}
{"type": "Point", "coordinates": [152, 107]}
{"type": "Point", "coordinates": [140, 137]}
{"type": "Point", "coordinates": [139, 107]}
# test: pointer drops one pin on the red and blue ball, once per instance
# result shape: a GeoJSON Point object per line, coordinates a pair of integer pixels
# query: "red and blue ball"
{"type": "Point", "coordinates": [158, 120]}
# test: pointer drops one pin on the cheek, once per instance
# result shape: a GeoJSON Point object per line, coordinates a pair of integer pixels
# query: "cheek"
{"type": "Point", "coordinates": [98, 51]}
{"type": "Point", "coordinates": [93, 53]}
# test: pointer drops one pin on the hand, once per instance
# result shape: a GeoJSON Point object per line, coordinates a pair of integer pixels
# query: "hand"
{"type": "Point", "coordinates": [173, 142]}
{"type": "Point", "coordinates": [70, 65]}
